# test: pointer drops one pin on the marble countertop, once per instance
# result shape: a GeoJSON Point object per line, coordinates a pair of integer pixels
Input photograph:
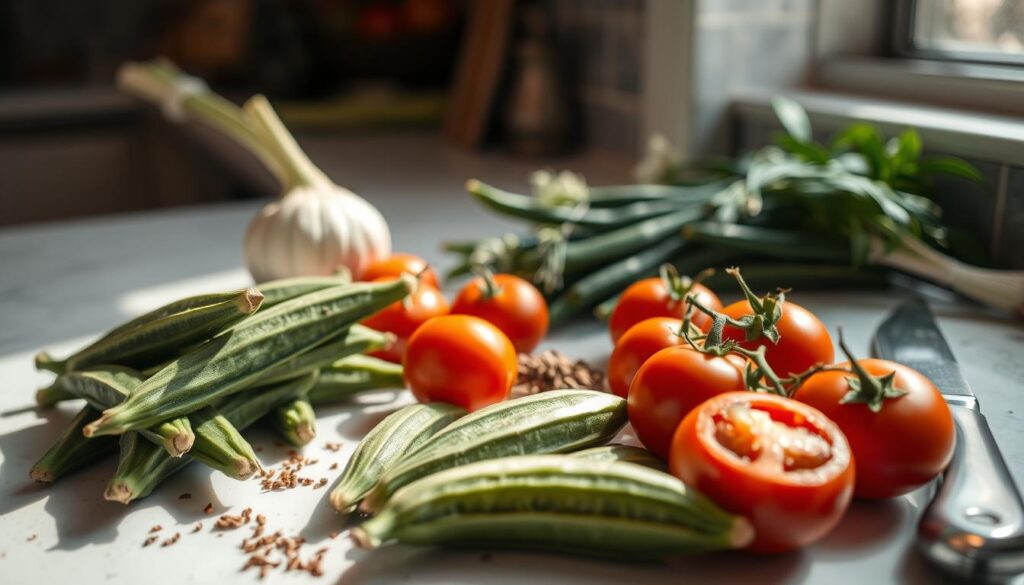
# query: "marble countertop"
{"type": "Point", "coordinates": [64, 283]}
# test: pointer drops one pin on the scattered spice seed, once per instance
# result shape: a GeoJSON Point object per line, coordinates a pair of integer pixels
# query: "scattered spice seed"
{"type": "Point", "coordinates": [552, 370]}
{"type": "Point", "coordinates": [332, 535]}
{"type": "Point", "coordinates": [185, 496]}
{"type": "Point", "coordinates": [333, 447]}
{"type": "Point", "coordinates": [198, 527]}
{"type": "Point", "coordinates": [209, 508]}
{"type": "Point", "coordinates": [334, 466]}
{"type": "Point", "coordinates": [31, 538]}
{"type": "Point", "coordinates": [171, 540]}
{"type": "Point", "coordinates": [149, 541]}
{"type": "Point", "coordinates": [321, 483]}
{"type": "Point", "coordinates": [156, 528]}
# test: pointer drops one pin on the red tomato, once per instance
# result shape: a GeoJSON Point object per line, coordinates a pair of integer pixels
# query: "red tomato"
{"type": "Point", "coordinates": [899, 448]}
{"type": "Point", "coordinates": [670, 384]}
{"type": "Point", "coordinates": [395, 264]}
{"type": "Point", "coordinates": [651, 297]}
{"type": "Point", "coordinates": [803, 339]}
{"type": "Point", "coordinates": [639, 343]}
{"type": "Point", "coordinates": [516, 307]}
{"type": "Point", "coordinates": [404, 317]}
{"type": "Point", "coordinates": [780, 463]}
{"type": "Point", "coordinates": [461, 360]}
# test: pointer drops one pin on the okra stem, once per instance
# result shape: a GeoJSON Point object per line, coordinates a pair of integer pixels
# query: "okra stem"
{"type": "Point", "coordinates": [296, 421]}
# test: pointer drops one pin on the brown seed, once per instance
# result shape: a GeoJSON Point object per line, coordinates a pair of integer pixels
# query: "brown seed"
{"type": "Point", "coordinates": [156, 528]}
{"type": "Point", "coordinates": [31, 538]}
{"type": "Point", "coordinates": [209, 508]}
{"type": "Point", "coordinates": [198, 527]}
{"type": "Point", "coordinates": [149, 541]}
{"type": "Point", "coordinates": [334, 466]}
{"type": "Point", "coordinates": [171, 540]}
{"type": "Point", "coordinates": [185, 496]}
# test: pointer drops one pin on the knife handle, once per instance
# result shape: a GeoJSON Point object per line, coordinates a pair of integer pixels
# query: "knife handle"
{"type": "Point", "coordinates": [974, 526]}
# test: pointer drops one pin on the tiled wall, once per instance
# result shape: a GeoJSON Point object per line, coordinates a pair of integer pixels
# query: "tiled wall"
{"type": "Point", "coordinates": [994, 215]}
{"type": "Point", "coordinates": [602, 41]}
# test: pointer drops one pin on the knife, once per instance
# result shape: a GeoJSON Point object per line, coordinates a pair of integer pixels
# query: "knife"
{"type": "Point", "coordinates": [974, 526]}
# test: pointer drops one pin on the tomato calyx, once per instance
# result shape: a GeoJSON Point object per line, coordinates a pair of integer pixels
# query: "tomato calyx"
{"type": "Point", "coordinates": [680, 286]}
{"type": "Point", "coordinates": [867, 389]}
{"type": "Point", "coordinates": [491, 288]}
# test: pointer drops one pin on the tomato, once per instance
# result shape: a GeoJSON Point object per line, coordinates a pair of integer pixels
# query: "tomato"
{"type": "Point", "coordinates": [516, 307]}
{"type": "Point", "coordinates": [461, 360]}
{"type": "Point", "coordinates": [651, 297]}
{"type": "Point", "coordinates": [395, 264]}
{"type": "Point", "coordinates": [404, 317]}
{"type": "Point", "coordinates": [639, 343]}
{"type": "Point", "coordinates": [780, 463]}
{"type": "Point", "coordinates": [670, 384]}
{"type": "Point", "coordinates": [902, 446]}
{"type": "Point", "coordinates": [803, 339]}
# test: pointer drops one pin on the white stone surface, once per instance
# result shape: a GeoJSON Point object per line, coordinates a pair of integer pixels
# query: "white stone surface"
{"type": "Point", "coordinates": [61, 284]}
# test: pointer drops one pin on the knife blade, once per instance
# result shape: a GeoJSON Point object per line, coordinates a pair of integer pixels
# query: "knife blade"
{"type": "Point", "coordinates": [974, 526]}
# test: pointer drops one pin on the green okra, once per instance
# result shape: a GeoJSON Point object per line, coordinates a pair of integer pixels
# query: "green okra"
{"type": "Point", "coordinates": [558, 421]}
{"type": "Point", "coordinates": [215, 441]}
{"type": "Point", "coordinates": [382, 447]}
{"type": "Point", "coordinates": [52, 394]}
{"type": "Point", "coordinates": [356, 373]}
{"type": "Point", "coordinates": [622, 454]}
{"type": "Point", "coordinates": [276, 292]}
{"type": "Point", "coordinates": [107, 386]}
{"type": "Point", "coordinates": [160, 334]}
{"type": "Point", "coordinates": [295, 421]}
{"type": "Point", "coordinates": [557, 503]}
{"type": "Point", "coordinates": [72, 450]}
{"type": "Point", "coordinates": [596, 218]}
{"type": "Point", "coordinates": [357, 339]}
{"type": "Point", "coordinates": [238, 358]}
{"type": "Point", "coordinates": [146, 467]}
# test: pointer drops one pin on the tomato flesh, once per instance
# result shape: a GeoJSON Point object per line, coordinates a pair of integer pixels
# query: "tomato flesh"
{"type": "Point", "coordinates": [781, 464]}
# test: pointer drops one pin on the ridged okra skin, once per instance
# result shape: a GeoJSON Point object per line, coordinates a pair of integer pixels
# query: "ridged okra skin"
{"type": "Point", "coordinates": [107, 386]}
{"type": "Point", "coordinates": [238, 358]}
{"type": "Point", "coordinates": [276, 292]}
{"type": "Point", "coordinates": [356, 340]}
{"type": "Point", "coordinates": [72, 450]}
{"type": "Point", "coordinates": [623, 454]}
{"type": "Point", "coordinates": [354, 374]}
{"type": "Point", "coordinates": [143, 468]}
{"type": "Point", "coordinates": [557, 421]}
{"type": "Point", "coordinates": [160, 334]}
{"type": "Point", "coordinates": [400, 432]}
{"type": "Point", "coordinates": [556, 503]}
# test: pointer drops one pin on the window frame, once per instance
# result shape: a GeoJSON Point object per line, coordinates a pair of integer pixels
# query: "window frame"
{"type": "Point", "coordinates": [903, 45]}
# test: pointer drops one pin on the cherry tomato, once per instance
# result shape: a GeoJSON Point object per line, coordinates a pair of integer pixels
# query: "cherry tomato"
{"type": "Point", "coordinates": [516, 307]}
{"type": "Point", "coordinates": [395, 264]}
{"type": "Point", "coordinates": [462, 360]}
{"type": "Point", "coordinates": [902, 446]}
{"type": "Point", "coordinates": [670, 384]}
{"type": "Point", "coordinates": [639, 343]}
{"type": "Point", "coordinates": [803, 339]}
{"type": "Point", "coordinates": [404, 317]}
{"type": "Point", "coordinates": [780, 463]}
{"type": "Point", "coordinates": [651, 297]}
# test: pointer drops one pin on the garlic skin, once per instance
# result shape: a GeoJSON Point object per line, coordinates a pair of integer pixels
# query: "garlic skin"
{"type": "Point", "coordinates": [311, 231]}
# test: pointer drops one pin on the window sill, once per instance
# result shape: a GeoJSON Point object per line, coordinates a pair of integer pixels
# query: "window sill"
{"type": "Point", "coordinates": [962, 133]}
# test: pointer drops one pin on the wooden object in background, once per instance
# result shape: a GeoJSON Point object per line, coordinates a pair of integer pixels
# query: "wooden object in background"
{"type": "Point", "coordinates": [481, 65]}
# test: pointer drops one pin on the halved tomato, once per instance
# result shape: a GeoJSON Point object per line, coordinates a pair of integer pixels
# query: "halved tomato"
{"type": "Point", "coordinates": [782, 464]}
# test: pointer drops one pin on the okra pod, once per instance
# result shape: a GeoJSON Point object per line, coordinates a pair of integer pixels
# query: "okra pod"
{"type": "Point", "coordinates": [382, 447]}
{"type": "Point", "coordinates": [357, 339]}
{"type": "Point", "coordinates": [531, 209]}
{"type": "Point", "coordinates": [107, 386]}
{"type": "Point", "coordinates": [623, 454]}
{"type": "Point", "coordinates": [159, 335]}
{"type": "Point", "coordinates": [71, 450]}
{"type": "Point", "coordinates": [557, 503]}
{"type": "Point", "coordinates": [557, 421]}
{"type": "Point", "coordinates": [295, 421]}
{"type": "Point", "coordinates": [233, 361]}
{"type": "Point", "coordinates": [276, 292]}
{"type": "Point", "coordinates": [619, 195]}
{"type": "Point", "coordinates": [52, 394]}
{"type": "Point", "coordinates": [148, 467]}
{"type": "Point", "coordinates": [355, 374]}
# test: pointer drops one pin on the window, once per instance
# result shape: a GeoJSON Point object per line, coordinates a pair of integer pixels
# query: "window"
{"type": "Point", "coordinates": [990, 31]}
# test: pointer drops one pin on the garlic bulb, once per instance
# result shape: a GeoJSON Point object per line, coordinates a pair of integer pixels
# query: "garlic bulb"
{"type": "Point", "coordinates": [316, 226]}
{"type": "Point", "coordinates": [311, 231]}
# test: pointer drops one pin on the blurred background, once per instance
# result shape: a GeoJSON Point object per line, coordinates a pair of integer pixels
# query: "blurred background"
{"type": "Point", "coordinates": [536, 80]}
